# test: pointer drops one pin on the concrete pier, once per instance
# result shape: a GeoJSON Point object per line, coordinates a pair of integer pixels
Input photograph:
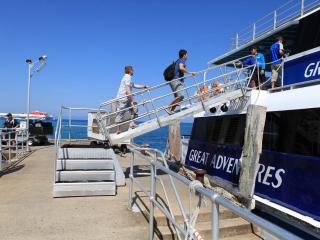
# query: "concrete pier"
{"type": "Point", "coordinates": [28, 210]}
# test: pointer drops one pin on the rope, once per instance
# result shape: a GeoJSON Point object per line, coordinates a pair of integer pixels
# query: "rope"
{"type": "Point", "coordinates": [192, 233]}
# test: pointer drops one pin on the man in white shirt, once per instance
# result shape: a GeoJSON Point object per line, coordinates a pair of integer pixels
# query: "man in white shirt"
{"type": "Point", "coordinates": [125, 97]}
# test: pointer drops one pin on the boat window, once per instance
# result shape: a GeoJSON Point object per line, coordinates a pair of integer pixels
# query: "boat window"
{"type": "Point", "coordinates": [220, 130]}
{"type": "Point", "coordinates": [295, 131]}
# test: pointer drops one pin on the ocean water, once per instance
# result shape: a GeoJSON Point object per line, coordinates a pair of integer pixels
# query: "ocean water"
{"type": "Point", "coordinates": [155, 139]}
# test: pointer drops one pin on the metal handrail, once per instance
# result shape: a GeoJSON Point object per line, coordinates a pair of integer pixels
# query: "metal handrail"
{"type": "Point", "coordinates": [233, 77]}
{"type": "Point", "coordinates": [16, 145]}
{"type": "Point", "coordinates": [292, 10]}
{"type": "Point", "coordinates": [215, 199]}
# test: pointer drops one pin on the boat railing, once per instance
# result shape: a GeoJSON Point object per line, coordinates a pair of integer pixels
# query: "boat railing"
{"type": "Point", "coordinates": [154, 102]}
{"type": "Point", "coordinates": [291, 10]}
{"type": "Point", "coordinates": [157, 163]}
{"type": "Point", "coordinates": [13, 146]}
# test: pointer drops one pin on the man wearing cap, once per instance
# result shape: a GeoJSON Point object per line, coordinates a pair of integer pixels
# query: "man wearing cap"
{"type": "Point", "coordinates": [10, 123]}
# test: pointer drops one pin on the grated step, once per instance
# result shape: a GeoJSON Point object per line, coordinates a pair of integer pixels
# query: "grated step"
{"type": "Point", "coordinates": [84, 189]}
{"type": "Point", "coordinates": [85, 153]}
{"type": "Point", "coordinates": [84, 176]}
{"type": "Point", "coordinates": [162, 220]}
{"type": "Point", "coordinates": [243, 237]}
{"type": "Point", "coordinates": [85, 164]}
{"type": "Point", "coordinates": [228, 228]}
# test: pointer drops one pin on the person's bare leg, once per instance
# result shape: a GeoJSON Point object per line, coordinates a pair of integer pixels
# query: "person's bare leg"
{"type": "Point", "coordinates": [174, 103]}
{"type": "Point", "coordinates": [252, 84]}
{"type": "Point", "coordinates": [272, 85]}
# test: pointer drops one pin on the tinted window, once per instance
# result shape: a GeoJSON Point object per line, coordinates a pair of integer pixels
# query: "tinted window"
{"type": "Point", "coordinates": [295, 131]}
{"type": "Point", "coordinates": [220, 130]}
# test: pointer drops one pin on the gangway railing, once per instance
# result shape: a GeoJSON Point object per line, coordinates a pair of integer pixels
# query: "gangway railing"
{"type": "Point", "coordinates": [208, 88]}
{"type": "Point", "coordinates": [13, 146]}
{"type": "Point", "coordinates": [158, 163]}
{"type": "Point", "coordinates": [288, 12]}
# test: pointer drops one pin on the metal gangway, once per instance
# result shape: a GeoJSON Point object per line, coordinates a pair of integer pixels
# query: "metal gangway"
{"type": "Point", "coordinates": [203, 91]}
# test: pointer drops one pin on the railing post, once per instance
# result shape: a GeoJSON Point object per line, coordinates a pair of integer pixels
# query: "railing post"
{"type": "Point", "coordinates": [69, 124]}
{"type": "Point", "coordinates": [152, 198]}
{"type": "Point", "coordinates": [215, 221]}
{"type": "Point", "coordinates": [237, 40]}
{"type": "Point", "coordinates": [274, 19]}
{"type": "Point", "coordinates": [9, 144]}
{"type": "Point", "coordinates": [154, 109]}
{"type": "Point", "coordinates": [16, 139]}
{"type": "Point", "coordinates": [0, 150]}
{"type": "Point", "coordinates": [254, 31]}
{"type": "Point", "coordinates": [302, 7]}
{"type": "Point", "coordinates": [131, 182]}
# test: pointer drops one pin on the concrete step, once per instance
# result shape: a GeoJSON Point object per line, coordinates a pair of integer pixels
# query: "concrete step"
{"type": "Point", "coordinates": [228, 228]}
{"type": "Point", "coordinates": [84, 189]}
{"type": "Point", "coordinates": [85, 153]}
{"type": "Point", "coordinates": [85, 176]}
{"type": "Point", "coordinates": [162, 220]}
{"type": "Point", "coordinates": [85, 164]}
{"type": "Point", "coordinates": [249, 236]}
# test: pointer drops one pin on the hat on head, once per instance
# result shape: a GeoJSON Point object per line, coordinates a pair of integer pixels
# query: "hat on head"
{"type": "Point", "coordinates": [9, 115]}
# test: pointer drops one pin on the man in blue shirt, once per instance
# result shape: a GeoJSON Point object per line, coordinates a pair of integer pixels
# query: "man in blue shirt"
{"type": "Point", "coordinates": [177, 85]}
{"type": "Point", "coordinates": [277, 53]}
{"type": "Point", "coordinates": [258, 76]}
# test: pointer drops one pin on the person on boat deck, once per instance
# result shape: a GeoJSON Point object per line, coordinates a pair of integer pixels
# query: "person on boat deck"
{"type": "Point", "coordinates": [10, 123]}
{"type": "Point", "coordinates": [258, 76]}
{"type": "Point", "coordinates": [277, 53]}
{"type": "Point", "coordinates": [125, 98]}
{"type": "Point", "coordinates": [177, 85]}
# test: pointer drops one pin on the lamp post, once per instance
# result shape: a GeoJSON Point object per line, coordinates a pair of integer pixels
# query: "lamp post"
{"type": "Point", "coordinates": [31, 71]}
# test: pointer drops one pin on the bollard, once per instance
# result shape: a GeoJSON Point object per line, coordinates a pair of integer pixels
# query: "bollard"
{"type": "Point", "coordinates": [200, 175]}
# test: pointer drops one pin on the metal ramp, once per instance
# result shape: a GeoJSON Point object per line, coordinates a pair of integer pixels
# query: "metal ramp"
{"type": "Point", "coordinates": [207, 89]}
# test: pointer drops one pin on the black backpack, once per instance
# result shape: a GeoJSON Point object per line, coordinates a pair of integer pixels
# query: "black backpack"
{"type": "Point", "coordinates": [169, 72]}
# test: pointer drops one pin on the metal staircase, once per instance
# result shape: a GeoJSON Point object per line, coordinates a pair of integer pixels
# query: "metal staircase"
{"type": "Point", "coordinates": [84, 172]}
{"type": "Point", "coordinates": [81, 169]}
{"type": "Point", "coordinates": [207, 89]}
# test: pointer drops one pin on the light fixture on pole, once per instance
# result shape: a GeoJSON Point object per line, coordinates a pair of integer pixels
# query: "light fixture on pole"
{"type": "Point", "coordinates": [40, 64]}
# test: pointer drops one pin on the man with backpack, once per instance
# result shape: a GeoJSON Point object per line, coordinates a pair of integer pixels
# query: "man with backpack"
{"type": "Point", "coordinates": [174, 74]}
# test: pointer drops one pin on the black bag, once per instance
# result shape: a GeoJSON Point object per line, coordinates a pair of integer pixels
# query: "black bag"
{"type": "Point", "coordinates": [169, 72]}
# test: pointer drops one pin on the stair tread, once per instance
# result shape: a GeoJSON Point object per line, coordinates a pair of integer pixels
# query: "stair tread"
{"type": "Point", "coordinates": [76, 189]}
{"type": "Point", "coordinates": [249, 236]}
{"type": "Point", "coordinates": [226, 225]}
{"type": "Point", "coordinates": [85, 183]}
{"type": "Point", "coordinates": [83, 159]}
{"type": "Point", "coordinates": [89, 171]}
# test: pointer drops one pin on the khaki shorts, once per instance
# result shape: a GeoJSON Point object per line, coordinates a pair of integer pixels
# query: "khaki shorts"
{"type": "Point", "coordinates": [121, 105]}
{"type": "Point", "coordinates": [177, 87]}
{"type": "Point", "coordinates": [276, 74]}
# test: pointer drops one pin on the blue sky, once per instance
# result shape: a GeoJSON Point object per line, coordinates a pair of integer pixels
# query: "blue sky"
{"type": "Point", "coordinates": [89, 42]}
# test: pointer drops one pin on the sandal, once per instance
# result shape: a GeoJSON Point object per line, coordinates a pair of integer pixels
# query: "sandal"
{"type": "Point", "coordinates": [169, 111]}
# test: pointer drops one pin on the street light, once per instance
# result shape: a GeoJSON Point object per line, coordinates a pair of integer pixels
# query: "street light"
{"type": "Point", "coordinates": [33, 67]}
